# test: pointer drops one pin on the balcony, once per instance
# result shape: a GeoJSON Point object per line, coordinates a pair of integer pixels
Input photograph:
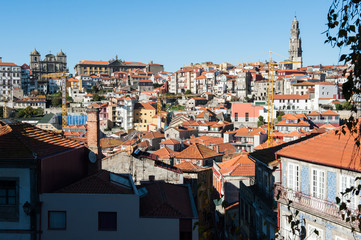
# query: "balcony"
{"type": "Point", "coordinates": [312, 205]}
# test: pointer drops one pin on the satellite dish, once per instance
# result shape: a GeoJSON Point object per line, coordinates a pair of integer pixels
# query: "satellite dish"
{"type": "Point", "coordinates": [92, 157]}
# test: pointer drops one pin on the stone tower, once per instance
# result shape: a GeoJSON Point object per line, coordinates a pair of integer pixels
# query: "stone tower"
{"type": "Point", "coordinates": [34, 59]}
{"type": "Point", "coordinates": [295, 49]}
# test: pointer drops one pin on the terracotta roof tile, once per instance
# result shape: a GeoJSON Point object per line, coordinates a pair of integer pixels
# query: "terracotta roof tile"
{"type": "Point", "coordinates": [98, 183]}
{"type": "Point", "coordinates": [165, 153]}
{"type": "Point", "coordinates": [170, 142]}
{"type": "Point", "coordinates": [152, 135]}
{"type": "Point", "coordinates": [188, 166]}
{"type": "Point", "coordinates": [291, 96]}
{"type": "Point", "coordinates": [22, 140]}
{"type": "Point", "coordinates": [166, 200]}
{"type": "Point", "coordinates": [197, 151]}
{"type": "Point", "coordinates": [337, 150]}
{"type": "Point", "coordinates": [239, 166]}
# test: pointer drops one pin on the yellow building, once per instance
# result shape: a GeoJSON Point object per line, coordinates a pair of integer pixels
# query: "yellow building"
{"type": "Point", "coordinates": [143, 116]}
{"type": "Point", "coordinates": [75, 83]}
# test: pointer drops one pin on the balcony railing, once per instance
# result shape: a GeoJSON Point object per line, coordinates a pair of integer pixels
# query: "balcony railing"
{"type": "Point", "coordinates": [305, 202]}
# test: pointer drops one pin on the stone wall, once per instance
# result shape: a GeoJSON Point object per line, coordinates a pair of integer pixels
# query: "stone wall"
{"type": "Point", "coordinates": [140, 169]}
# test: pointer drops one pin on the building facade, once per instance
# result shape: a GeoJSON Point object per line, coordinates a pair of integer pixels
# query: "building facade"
{"type": "Point", "coordinates": [10, 78]}
{"type": "Point", "coordinates": [88, 67]}
{"type": "Point", "coordinates": [50, 64]}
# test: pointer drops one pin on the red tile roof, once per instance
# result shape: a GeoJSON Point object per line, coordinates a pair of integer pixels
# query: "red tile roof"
{"type": "Point", "coordinates": [239, 166]}
{"type": "Point", "coordinates": [337, 150]}
{"type": "Point", "coordinates": [165, 153]}
{"type": "Point", "coordinates": [151, 135]}
{"type": "Point", "coordinates": [170, 142]}
{"type": "Point", "coordinates": [188, 166]}
{"type": "Point", "coordinates": [290, 96]}
{"type": "Point", "coordinates": [329, 112]}
{"type": "Point", "coordinates": [94, 62]}
{"type": "Point", "coordinates": [24, 141]}
{"type": "Point", "coordinates": [98, 183]}
{"type": "Point", "coordinates": [166, 200]}
{"type": "Point", "coordinates": [8, 64]}
{"type": "Point", "coordinates": [197, 151]}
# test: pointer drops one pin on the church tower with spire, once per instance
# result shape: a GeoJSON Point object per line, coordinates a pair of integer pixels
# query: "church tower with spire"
{"type": "Point", "coordinates": [295, 49]}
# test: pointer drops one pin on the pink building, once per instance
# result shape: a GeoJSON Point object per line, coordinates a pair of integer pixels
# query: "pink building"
{"type": "Point", "coordinates": [245, 114]}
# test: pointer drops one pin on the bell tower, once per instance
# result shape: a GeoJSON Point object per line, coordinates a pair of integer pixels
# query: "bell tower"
{"type": "Point", "coordinates": [295, 49]}
{"type": "Point", "coordinates": [34, 60]}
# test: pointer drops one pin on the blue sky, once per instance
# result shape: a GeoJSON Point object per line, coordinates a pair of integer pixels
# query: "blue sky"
{"type": "Point", "coordinates": [170, 32]}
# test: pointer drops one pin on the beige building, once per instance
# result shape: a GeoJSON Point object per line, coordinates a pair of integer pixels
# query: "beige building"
{"type": "Point", "coordinates": [114, 65]}
{"type": "Point", "coordinates": [143, 116]}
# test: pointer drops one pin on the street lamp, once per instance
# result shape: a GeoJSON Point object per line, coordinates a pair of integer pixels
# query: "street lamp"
{"type": "Point", "coordinates": [27, 208]}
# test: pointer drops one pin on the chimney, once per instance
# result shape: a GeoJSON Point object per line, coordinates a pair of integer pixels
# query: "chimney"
{"type": "Point", "coordinates": [93, 135]}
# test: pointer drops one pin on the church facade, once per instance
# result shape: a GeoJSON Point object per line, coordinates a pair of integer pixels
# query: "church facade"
{"type": "Point", "coordinates": [50, 64]}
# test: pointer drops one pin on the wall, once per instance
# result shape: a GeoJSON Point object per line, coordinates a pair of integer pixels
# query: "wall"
{"type": "Point", "coordinates": [139, 169]}
{"type": "Point", "coordinates": [23, 176]}
{"type": "Point", "coordinates": [82, 218]}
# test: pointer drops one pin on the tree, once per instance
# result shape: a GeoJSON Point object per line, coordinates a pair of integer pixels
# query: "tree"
{"type": "Point", "coordinates": [188, 92]}
{"type": "Point", "coordinates": [56, 101]}
{"type": "Point", "coordinates": [97, 98]}
{"type": "Point", "coordinates": [260, 121]}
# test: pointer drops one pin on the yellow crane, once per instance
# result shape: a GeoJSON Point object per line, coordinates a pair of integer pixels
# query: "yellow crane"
{"type": "Point", "coordinates": [271, 72]}
{"type": "Point", "coordinates": [63, 76]}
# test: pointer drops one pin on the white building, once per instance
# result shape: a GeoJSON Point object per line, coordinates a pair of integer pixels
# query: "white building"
{"type": "Point", "coordinates": [10, 78]}
{"type": "Point", "coordinates": [125, 111]}
{"type": "Point", "coordinates": [292, 103]}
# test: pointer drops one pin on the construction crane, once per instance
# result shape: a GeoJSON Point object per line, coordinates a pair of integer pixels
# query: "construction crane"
{"type": "Point", "coordinates": [63, 76]}
{"type": "Point", "coordinates": [271, 72]}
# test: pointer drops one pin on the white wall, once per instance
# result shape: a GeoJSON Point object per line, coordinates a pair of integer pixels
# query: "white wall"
{"type": "Point", "coordinates": [23, 174]}
{"type": "Point", "coordinates": [82, 218]}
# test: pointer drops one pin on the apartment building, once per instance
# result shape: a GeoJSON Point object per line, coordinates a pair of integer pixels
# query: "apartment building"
{"type": "Point", "coordinates": [10, 78]}
{"type": "Point", "coordinates": [312, 182]}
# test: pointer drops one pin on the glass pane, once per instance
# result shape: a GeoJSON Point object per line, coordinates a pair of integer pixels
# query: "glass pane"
{"type": "Point", "coordinates": [11, 192]}
{"type": "Point", "coordinates": [2, 192]}
{"type": "Point", "coordinates": [2, 200]}
{"type": "Point", "coordinates": [12, 200]}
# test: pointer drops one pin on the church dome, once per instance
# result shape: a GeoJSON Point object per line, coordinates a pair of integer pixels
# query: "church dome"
{"type": "Point", "coordinates": [35, 52]}
{"type": "Point", "coordinates": [61, 54]}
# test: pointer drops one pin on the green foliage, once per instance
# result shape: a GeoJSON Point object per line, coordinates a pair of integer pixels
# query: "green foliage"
{"type": "Point", "coordinates": [97, 97]}
{"type": "Point", "coordinates": [157, 85]}
{"type": "Point", "coordinates": [260, 121]}
{"type": "Point", "coordinates": [347, 106]}
{"type": "Point", "coordinates": [177, 107]}
{"type": "Point", "coordinates": [188, 92]}
{"type": "Point", "coordinates": [56, 101]}
{"type": "Point", "coordinates": [29, 112]}
{"type": "Point", "coordinates": [338, 106]}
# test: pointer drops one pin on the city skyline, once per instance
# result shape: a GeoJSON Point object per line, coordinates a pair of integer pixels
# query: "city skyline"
{"type": "Point", "coordinates": [169, 33]}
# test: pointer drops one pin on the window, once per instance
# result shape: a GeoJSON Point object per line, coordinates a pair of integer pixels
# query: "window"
{"type": "Point", "coordinates": [348, 182]}
{"type": "Point", "coordinates": [236, 117]}
{"type": "Point", "coordinates": [8, 192]}
{"type": "Point", "coordinates": [293, 177]}
{"type": "Point", "coordinates": [247, 116]}
{"type": "Point", "coordinates": [318, 183]}
{"type": "Point", "coordinates": [314, 233]}
{"type": "Point", "coordinates": [107, 221]}
{"type": "Point", "coordinates": [56, 220]}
